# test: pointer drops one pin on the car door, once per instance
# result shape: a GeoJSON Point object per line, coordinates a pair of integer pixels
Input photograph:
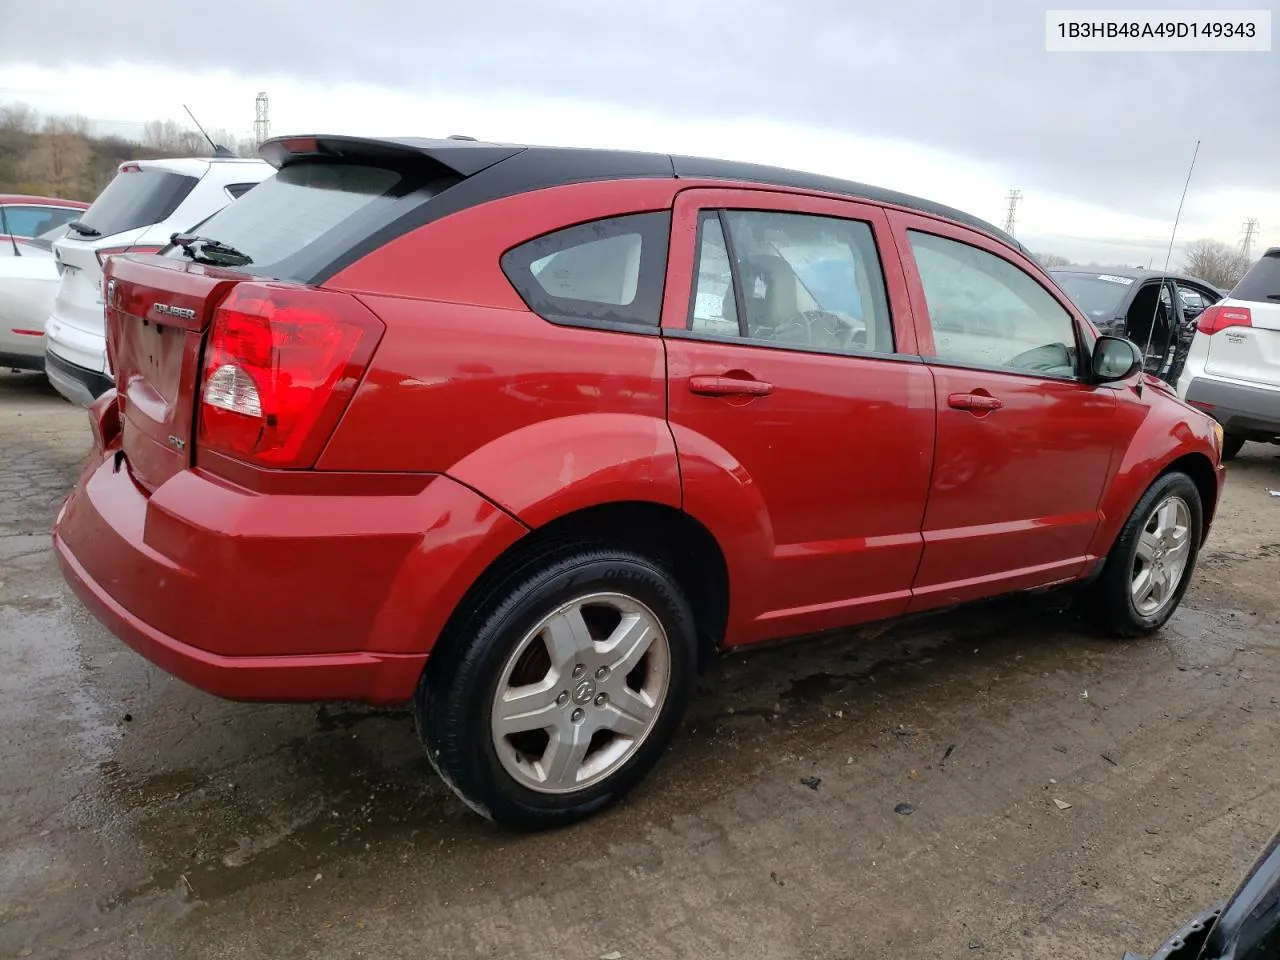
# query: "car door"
{"type": "Point", "coordinates": [1024, 442]}
{"type": "Point", "coordinates": [802, 414]}
{"type": "Point", "coordinates": [1191, 301]}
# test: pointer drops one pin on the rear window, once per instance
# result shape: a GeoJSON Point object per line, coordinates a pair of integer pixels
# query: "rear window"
{"type": "Point", "coordinates": [1262, 283]}
{"type": "Point", "coordinates": [302, 205]}
{"type": "Point", "coordinates": [137, 198]}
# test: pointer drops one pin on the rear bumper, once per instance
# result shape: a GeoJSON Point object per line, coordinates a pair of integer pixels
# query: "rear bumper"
{"type": "Point", "coordinates": [78, 384]}
{"type": "Point", "coordinates": [1240, 409]}
{"type": "Point", "coordinates": [278, 597]}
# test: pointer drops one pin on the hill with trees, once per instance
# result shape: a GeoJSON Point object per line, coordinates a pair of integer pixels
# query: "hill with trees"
{"type": "Point", "coordinates": [60, 157]}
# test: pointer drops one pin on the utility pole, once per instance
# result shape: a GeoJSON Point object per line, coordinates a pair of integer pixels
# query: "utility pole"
{"type": "Point", "coordinates": [1250, 228]}
{"type": "Point", "coordinates": [261, 125]}
{"type": "Point", "coordinates": [1010, 218]}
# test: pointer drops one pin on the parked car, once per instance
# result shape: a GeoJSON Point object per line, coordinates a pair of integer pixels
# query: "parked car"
{"type": "Point", "coordinates": [144, 205]}
{"type": "Point", "coordinates": [28, 281]}
{"type": "Point", "coordinates": [1246, 926]}
{"type": "Point", "coordinates": [23, 217]}
{"type": "Point", "coordinates": [1233, 368]}
{"type": "Point", "coordinates": [522, 435]}
{"type": "Point", "coordinates": [1123, 303]}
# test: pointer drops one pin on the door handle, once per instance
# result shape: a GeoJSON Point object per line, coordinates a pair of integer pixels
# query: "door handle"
{"type": "Point", "coordinates": [973, 401]}
{"type": "Point", "coordinates": [729, 387]}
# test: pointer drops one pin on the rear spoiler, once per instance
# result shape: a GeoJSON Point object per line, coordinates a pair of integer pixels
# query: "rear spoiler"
{"type": "Point", "coordinates": [462, 157]}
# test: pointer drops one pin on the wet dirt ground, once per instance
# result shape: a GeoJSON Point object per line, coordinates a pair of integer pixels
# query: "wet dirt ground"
{"type": "Point", "coordinates": [140, 818]}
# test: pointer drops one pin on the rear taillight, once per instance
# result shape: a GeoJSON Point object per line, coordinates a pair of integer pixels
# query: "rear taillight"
{"type": "Point", "coordinates": [280, 367]}
{"type": "Point", "coordinates": [1218, 317]}
{"type": "Point", "coordinates": [112, 251]}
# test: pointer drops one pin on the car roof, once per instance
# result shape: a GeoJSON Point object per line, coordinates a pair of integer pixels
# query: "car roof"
{"type": "Point", "coordinates": [191, 166]}
{"type": "Point", "coordinates": [542, 166]}
{"type": "Point", "coordinates": [1132, 273]}
{"type": "Point", "coordinates": [34, 201]}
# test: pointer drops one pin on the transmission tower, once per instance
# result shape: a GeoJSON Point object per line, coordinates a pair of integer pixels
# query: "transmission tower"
{"type": "Point", "coordinates": [261, 125]}
{"type": "Point", "coordinates": [1246, 244]}
{"type": "Point", "coordinates": [1010, 218]}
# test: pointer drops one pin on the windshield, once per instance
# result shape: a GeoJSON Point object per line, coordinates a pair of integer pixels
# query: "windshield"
{"type": "Point", "coordinates": [294, 209]}
{"type": "Point", "coordinates": [1098, 295]}
{"type": "Point", "coordinates": [137, 198]}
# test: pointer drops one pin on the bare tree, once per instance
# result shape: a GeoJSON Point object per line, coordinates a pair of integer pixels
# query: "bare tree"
{"type": "Point", "coordinates": [1215, 262]}
{"type": "Point", "coordinates": [168, 136]}
{"type": "Point", "coordinates": [61, 159]}
{"type": "Point", "coordinates": [1053, 260]}
{"type": "Point", "coordinates": [18, 118]}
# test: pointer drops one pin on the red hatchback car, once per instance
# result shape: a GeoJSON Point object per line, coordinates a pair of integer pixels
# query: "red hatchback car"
{"type": "Point", "coordinates": [520, 435]}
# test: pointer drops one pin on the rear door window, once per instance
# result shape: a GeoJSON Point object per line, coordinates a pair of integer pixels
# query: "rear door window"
{"type": "Point", "coordinates": [138, 198]}
{"type": "Point", "coordinates": [606, 273]}
{"type": "Point", "coordinates": [1262, 283]}
{"type": "Point", "coordinates": [797, 280]}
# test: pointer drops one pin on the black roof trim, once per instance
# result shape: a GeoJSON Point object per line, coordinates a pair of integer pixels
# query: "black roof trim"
{"type": "Point", "coordinates": [779, 176]}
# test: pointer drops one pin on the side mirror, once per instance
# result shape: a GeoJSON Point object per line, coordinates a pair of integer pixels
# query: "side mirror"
{"type": "Point", "coordinates": [1114, 358]}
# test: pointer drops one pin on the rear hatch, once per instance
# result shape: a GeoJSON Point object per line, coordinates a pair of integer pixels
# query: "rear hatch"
{"type": "Point", "coordinates": [138, 197]}
{"type": "Point", "coordinates": [1244, 341]}
{"type": "Point", "coordinates": [223, 346]}
{"type": "Point", "coordinates": [157, 311]}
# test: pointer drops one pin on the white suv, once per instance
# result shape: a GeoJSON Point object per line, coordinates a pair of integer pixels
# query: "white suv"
{"type": "Point", "coordinates": [1233, 368]}
{"type": "Point", "coordinates": [146, 203]}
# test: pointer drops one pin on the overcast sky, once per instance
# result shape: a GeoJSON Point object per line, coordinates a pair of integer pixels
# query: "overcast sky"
{"type": "Point", "coordinates": [955, 101]}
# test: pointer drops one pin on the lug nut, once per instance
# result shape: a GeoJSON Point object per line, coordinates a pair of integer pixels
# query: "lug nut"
{"type": "Point", "coordinates": [563, 698]}
{"type": "Point", "coordinates": [602, 699]}
{"type": "Point", "coordinates": [578, 671]}
{"type": "Point", "coordinates": [577, 716]}
{"type": "Point", "coordinates": [602, 673]}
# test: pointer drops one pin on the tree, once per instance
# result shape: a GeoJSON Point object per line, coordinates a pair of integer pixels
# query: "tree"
{"type": "Point", "coordinates": [60, 160]}
{"type": "Point", "coordinates": [18, 118]}
{"type": "Point", "coordinates": [1053, 260]}
{"type": "Point", "coordinates": [1214, 262]}
{"type": "Point", "coordinates": [171, 137]}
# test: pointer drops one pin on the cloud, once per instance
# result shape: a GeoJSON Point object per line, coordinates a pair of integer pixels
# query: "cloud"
{"type": "Point", "coordinates": [971, 79]}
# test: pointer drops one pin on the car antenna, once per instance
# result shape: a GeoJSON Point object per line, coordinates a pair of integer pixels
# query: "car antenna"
{"type": "Point", "coordinates": [4, 228]}
{"type": "Point", "coordinates": [218, 149]}
{"type": "Point", "coordinates": [1155, 311]}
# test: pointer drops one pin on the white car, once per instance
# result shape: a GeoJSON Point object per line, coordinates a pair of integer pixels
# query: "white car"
{"type": "Point", "coordinates": [146, 203]}
{"type": "Point", "coordinates": [1232, 371]}
{"type": "Point", "coordinates": [28, 282]}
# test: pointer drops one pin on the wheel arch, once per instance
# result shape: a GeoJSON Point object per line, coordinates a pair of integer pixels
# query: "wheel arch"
{"type": "Point", "coordinates": [1134, 480]}
{"type": "Point", "coordinates": [670, 537]}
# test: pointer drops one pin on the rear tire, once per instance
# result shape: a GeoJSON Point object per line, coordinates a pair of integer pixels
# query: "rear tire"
{"type": "Point", "coordinates": [1231, 444]}
{"type": "Point", "coordinates": [1149, 567]}
{"type": "Point", "coordinates": [563, 690]}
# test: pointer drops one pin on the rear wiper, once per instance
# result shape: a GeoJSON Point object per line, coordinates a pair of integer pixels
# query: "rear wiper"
{"type": "Point", "coordinates": [84, 229]}
{"type": "Point", "coordinates": [207, 250]}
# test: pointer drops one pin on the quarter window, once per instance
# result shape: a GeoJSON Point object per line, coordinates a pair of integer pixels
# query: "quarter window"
{"type": "Point", "coordinates": [796, 280]}
{"type": "Point", "coordinates": [986, 312]}
{"type": "Point", "coordinates": [603, 273]}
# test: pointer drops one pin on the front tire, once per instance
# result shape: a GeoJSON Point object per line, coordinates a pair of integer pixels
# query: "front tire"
{"type": "Point", "coordinates": [562, 692]}
{"type": "Point", "coordinates": [1150, 565]}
